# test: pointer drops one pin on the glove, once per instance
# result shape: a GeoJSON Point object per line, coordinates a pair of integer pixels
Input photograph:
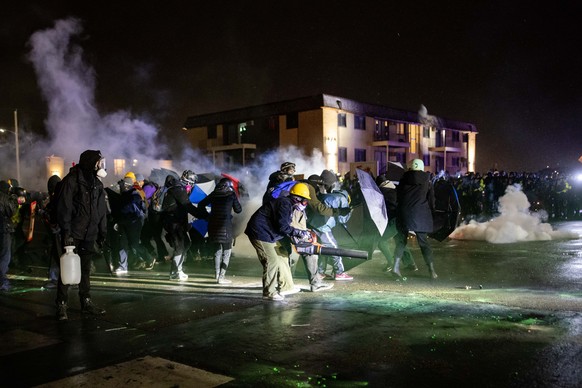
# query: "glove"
{"type": "Point", "coordinates": [344, 211]}
{"type": "Point", "coordinates": [68, 241]}
{"type": "Point", "coordinates": [305, 235]}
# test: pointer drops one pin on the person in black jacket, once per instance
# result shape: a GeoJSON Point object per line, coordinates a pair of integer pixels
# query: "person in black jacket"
{"type": "Point", "coordinates": [175, 210]}
{"type": "Point", "coordinates": [415, 204]}
{"type": "Point", "coordinates": [8, 206]}
{"type": "Point", "coordinates": [222, 202]}
{"type": "Point", "coordinates": [82, 218]}
{"type": "Point", "coordinates": [388, 190]}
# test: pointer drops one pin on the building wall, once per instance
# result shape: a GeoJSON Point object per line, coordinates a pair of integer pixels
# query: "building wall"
{"type": "Point", "coordinates": [319, 128]}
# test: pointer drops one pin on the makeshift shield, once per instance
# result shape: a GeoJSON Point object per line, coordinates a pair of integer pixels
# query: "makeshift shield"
{"type": "Point", "coordinates": [447, 212]}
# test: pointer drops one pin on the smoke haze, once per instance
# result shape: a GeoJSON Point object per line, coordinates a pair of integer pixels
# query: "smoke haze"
{"type": "Point", "coordinates": [515, 223]}
{"type": "Point", "coordinates": [74, 124]}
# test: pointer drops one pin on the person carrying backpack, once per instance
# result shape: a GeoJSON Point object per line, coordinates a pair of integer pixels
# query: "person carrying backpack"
{"type": "Point", "coordinates": [130, 223]}
{"type": "Point", "coordinates": [222, 202]}
{"type": "Point", "coordinates": [175, 210]}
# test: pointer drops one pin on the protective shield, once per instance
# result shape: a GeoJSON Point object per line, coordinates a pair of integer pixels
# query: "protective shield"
{"type": "Point", "coordinates": [447, 213]}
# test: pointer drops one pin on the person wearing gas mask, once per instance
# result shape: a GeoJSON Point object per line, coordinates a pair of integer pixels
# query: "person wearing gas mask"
{"type": "Point", "coordinates": [82, 218]}
{"type": "Point", "coordinates": [284, 174]}
{"type": "Point", "coordinates": [175, 210]}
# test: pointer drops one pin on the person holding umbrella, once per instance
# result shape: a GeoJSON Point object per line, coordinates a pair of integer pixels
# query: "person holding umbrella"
{"type": "Point", "coordinates": [415, 197]}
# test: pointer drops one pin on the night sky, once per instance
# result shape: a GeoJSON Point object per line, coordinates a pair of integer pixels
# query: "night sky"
{"type": "Point", "coordinates": [510, 67]}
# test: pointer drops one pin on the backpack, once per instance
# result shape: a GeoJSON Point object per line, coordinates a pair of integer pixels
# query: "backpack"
{"type": "Point", "coordinates": [158, 199]}
{"type": "Point", "coordinates": [282, 189]}
{"type": "Point", "coordinates": [130, 204]}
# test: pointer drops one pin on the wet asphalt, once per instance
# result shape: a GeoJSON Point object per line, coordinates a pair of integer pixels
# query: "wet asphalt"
{"type": "Point", "coordinates": [499, 315]}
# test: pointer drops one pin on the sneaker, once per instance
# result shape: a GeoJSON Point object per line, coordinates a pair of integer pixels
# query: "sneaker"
{"type": "Point", "coordinates": [88, 307]}
{"type": "Point", "coordinates": [222, 280]}
{"type": "Point", "coordinates": [181, 276]}
{"type": "Point", "coordinates": [62, 311]}
{"type": "Point", "coordinates": [292, 291]}
{"type": "Point", "coordinates": [387, 269]}
{"type": "Point", "coordinates": [321, 287]}
{"type": "Point", "coordinates": [274, 297]}
{"type": "Point", "coordinates": [149, 266]}
{"type": "Point", "coordinates": [343, 276]}
{"type": "Point", "coordinates": [120, 271]}
{"type": "Point", "coordinates": [139, 265]}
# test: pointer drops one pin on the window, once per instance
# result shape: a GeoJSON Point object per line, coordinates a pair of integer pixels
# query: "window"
{"type": "Point", "coordinates": [211, 131]}
{"type": "Point", "coordinates": [426, 160]}
{"type": "Point", "coordinates": [426, 132]}
{"type": "Point", "coordinates": [292, 120]}
{"type": "Point", "coordinates": [342, 155]}
{"type": "Point", "coordinates": [341, 120]}
{"type": "Point", "coordinates": [456, 136]}
{"type": "Point", "coordinates": [360, 155]}
{"type": "Point", "coordinates": [360, 122]}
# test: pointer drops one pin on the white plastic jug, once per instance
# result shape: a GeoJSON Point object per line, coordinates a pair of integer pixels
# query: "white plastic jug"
{"type": "Point", "coordinates": [70, 266]}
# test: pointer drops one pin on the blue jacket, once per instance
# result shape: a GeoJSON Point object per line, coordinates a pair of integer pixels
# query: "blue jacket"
{"type": "Point", "coordinates": [272, 221]}
{"type": "Point", "coordinates": [336, 199]}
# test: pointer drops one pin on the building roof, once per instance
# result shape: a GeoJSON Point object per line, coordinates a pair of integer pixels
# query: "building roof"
{"type": "Point", "coordinates": [318, 101]}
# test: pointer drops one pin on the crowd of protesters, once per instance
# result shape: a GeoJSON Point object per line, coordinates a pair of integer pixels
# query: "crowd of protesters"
{"type": "Point", "coordinates": [138, 223]}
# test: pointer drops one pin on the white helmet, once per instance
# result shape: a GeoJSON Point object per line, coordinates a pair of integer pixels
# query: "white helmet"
{"type": "Point", "coordinates": [417, 165]}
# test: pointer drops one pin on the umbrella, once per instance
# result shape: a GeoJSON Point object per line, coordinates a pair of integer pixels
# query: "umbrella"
{"type": "Point", "coordinates": [374, 200]}
{"type": "Point", "coordinates": [158, 175]}
{"type": "Point", "coordinates": [394, 171]}
{"type": "Point", "coordinates": [446, 214]}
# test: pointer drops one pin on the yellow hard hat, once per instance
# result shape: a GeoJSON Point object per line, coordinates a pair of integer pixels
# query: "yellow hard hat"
{"type": "Point", "coordinates": [131, 175]}
{"type": "Point", "coordinates": [300, 190]}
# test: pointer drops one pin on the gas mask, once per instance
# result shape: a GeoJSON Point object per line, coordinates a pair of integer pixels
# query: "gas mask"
{"type": "Point", "coordinates": [101, 168]}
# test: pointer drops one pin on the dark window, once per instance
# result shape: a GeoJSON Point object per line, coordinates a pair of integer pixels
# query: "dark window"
{"type": "Point", "coordinates": [360, 122]}
{"type": "Point", "coordinates": [292, 120]}
{"type": "Point", "coordinates": [211, 131]}
{"type": "Point", "coordinates": [456, 136]}
{"type": "Point", "coordinates": [426, 132]}
{"type": "Point", "coordinates": [341, 120]}
{"type": "Point", "coordinates": [426, 160]}
{"type": "Point", "coordinates": [465, 138]}
{"type": "Point", "coordinates": [360, 155]}
{"type": "Point", "coordinates": [342, 155]}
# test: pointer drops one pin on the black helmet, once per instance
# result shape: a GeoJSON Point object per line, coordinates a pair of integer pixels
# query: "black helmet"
{"type": "Point", "coordinates": [189, 176]}
{"type": "Point", "coordinates": [315, 179]}
{"type": "Point", "coordinates": [19, 191]}
{"type": "Point", "coordinates": [287, 165]}
{"type": "Point", "coordinates": [224, 184]}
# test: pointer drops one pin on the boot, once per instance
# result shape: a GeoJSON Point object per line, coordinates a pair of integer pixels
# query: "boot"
{"type": "Point", "coordinates": [62, 311]}
{"type": "Point", "coordinates": [88, 307]}
{"type": "Point", "coordinates": [396, 270]}
{"type": "Point", "coordinates": [432, 272]}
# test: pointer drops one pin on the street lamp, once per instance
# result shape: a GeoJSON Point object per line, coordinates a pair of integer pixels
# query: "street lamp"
{"type": "Point", "coordinates": [16, 143]}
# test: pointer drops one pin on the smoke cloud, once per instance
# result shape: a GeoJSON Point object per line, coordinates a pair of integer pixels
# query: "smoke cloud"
{"type": "Point", "coordinates": [514, 224]}
{"type": "Point", "coordinates": [74, 123]}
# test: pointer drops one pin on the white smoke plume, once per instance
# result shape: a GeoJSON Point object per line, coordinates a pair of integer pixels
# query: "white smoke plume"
{"type": "Point", "coordinates": [425, 118]}
{"type": "Point", "coordinates": [75, 124]}
{"type": "Point", "coordinates": [515, 223]}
